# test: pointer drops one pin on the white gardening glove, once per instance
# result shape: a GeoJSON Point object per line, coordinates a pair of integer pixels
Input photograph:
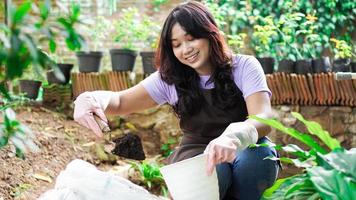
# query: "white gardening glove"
{"type": "Point", "coordinates": [89, 103]}
{"type": "Point", "coordinates": [236, 137]}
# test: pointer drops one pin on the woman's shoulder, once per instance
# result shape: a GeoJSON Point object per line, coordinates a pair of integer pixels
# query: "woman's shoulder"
{"type": "Point", "coordinates": [159, 90]}
{"type": "Point", "coordinates": [241, 60]}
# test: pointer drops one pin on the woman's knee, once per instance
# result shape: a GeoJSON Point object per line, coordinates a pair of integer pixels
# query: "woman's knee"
{"type": "Point", "coordinates": [224, 174]}
{"type": "Point", "coordinates": [252, 173]}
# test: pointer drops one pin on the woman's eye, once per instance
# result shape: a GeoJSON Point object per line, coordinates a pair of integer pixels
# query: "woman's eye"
{"type": "Point", "coordinates": [190, 38]}
{"type": "Point", "coordinates": [176, 45]}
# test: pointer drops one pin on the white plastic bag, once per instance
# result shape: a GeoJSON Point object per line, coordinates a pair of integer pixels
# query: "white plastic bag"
{"type": "Point", "coordinates": [82, 181]}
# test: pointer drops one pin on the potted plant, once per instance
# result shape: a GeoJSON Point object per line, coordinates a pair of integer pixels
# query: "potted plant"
{"type": "Point", "coordinates": [343, 55]}
{"type": "Point", "coordinates": [262, 38]}
{"type": "Point", "coordinates": [127, 37]}
{"type": "Point", "coordinates": [60, 72]}
{"type": "Point", "coordinates": [310, 48]}
{"type": "Point", "coordinates": [313, 46]}
{"type": "Point", "coordinates": [89, 60]}
{"type": "Point", "coordinates": [287, 49]}
{"type": "Point", "coordinates": [149, 35]}
{"type": "Point", "coordinates": [31, 82]}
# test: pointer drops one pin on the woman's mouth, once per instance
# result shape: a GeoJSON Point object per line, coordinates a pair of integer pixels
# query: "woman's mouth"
{"type": "Point", "coordinates": [192, 58]}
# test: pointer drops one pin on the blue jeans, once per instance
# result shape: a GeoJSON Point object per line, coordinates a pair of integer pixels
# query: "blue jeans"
{"type": "Point", "coordinates": [249, 175]}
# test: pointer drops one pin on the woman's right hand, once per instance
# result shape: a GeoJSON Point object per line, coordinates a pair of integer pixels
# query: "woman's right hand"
{"type": "Point", "coordinates": [89, 104]}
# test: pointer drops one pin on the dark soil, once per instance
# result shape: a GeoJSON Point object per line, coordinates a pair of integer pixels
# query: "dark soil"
{"type": "Point", "coordinates": [129, 146]}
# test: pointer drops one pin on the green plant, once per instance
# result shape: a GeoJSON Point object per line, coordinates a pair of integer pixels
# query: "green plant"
{"type": "Point", "coordinates": [98, 31]}
{"type": "Point", "coordinates": [20, 42]}
{"type": "Point", "coordinates": [149, 33]}
{"type": "Point", "coordinates": [262, 37]}
{"type": "Point", "coordinates": [157, 4]}
{"type": "Point", "coordinates": [287, 27]}
{"type": "Point", "coordinates": [334, 19]}
{"type": "Point", "coordinates": [236, 42]}
{"type": "Point", "coordinates": [151, 175]}
{"type": "Point", "coordinates": [20, 135]}
{"type": "Point", "coordinates": [128, 29]}
{"type": "Point", "coordinates": [341, 48]}
{"type": "Point", "coordinates": [328, 174]}
{"type": "Point", "coordinates": [167, 148]}
{"type": "Point", "coordinates": [311, 44]}
{"type": "Point", "coordinates": [20, 189]}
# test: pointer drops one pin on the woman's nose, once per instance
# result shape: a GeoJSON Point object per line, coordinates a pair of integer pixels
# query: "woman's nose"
{"type": "Point", "coordinates": [187, 49]}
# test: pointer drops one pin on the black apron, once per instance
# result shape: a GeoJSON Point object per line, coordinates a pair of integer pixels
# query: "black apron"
{"type": "Point", "coordinates": [209, 123]}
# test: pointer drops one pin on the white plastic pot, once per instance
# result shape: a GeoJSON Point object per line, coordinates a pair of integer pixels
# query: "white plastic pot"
{"type": "Point", "coordinates": [187, 180]}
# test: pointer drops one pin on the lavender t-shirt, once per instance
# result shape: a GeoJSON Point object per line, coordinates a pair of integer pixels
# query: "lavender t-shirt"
{"type": "Point", "coordinates": [247, 72]}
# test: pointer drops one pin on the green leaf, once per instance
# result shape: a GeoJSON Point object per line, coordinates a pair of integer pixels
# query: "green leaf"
{"type": "Point", "coordinates": [31, 46]}
{"type": "Point", "coordinates": [21, 12]}
{"type": "Point", "coordinates": [315, 129]}
{"type": "Point", "coordinates": [296, 150]}
{"type": "Point", "coordinates": [306, 139]}
{"type": "Point", "coordinates": [20, 154]}
{"type": "Point", "coordinates": [283, 159]}
{"type": "Point", "coordinates": [75, 11]}
{"type": "Point", "coordinates": [343, 161]}
{"type": "Point", "coordinates": [52, 46]}
{"type": "Point", "coordinates": [4, 92]}
{"type": "Point", "coordinates": [332, 184]}
{"type": "Point", "coordinates": [294, 187]}
{"type": "Point", "coordinates": [3, 141]}
{"type": "Point", "coordinates": [275, 187]}
{"type": "Point", "coordinates": [44, 9]}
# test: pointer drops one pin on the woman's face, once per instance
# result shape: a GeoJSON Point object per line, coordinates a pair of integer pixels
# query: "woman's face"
{"type": "Point", "coordinates": [191, 51]}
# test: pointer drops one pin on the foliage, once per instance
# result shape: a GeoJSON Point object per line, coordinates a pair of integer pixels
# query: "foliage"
{"type": "Point", "coordinates": [328, 174]}
{"type": "Point", "coordinates": [263, 37]}
{"type": "Point", "coordinates": [167, 148]}
{"type": "Point", "coordinates": [341, 48]}
{"type": "Point", "coordinates": [157, 4]}
{"type": "Point", "coordinates": [149, 32]}
{"type": "Point", "coordinates": [128, 29]}
{"type": "Point", "coordinates": [236, 42]}
{"type": "Point", "coordinates": [20, 49]}
{"type": "Point", "coordinates": [330, 19]}
{"type": "Point", "coordinates": [98, 31]}
{"type": "Point", "coordinates": [20, 135]}
{"type": "Point", "coordinates": [150, 175]}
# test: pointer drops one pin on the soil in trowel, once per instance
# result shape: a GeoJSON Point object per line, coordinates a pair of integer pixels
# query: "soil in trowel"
{"type": "Point", "coordinates": [129, 146]}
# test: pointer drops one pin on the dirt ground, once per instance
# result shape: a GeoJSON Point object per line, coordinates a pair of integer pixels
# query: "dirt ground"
{"type": "Point", "coordinates": [61, 140]}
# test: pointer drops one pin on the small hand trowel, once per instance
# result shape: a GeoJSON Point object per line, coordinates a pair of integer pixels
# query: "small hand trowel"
{"type": "Point", "coordinates": [128, 146]}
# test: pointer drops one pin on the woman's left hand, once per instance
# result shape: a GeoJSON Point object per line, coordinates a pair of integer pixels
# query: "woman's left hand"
{"type": "Point", "coordinates": [237, 136]}
{"type": "Point", "coordinates": [221, 149]}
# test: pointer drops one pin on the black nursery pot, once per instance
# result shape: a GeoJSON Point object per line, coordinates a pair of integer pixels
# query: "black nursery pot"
{"type": "Point", "coordinates": [303, 66]}
{"type": "Point", "coordinates": [65, 69]}
{"type": "Point", "coordinates": [267, 64]}
{"type": "Point", "coordinates": [353, 67]}
{"type": "Point", "coordinates": [147, 61]}
{"type": "Point", "coordinates": [321, 65]}
{"type": "Point", "coordinates": [30, 87]}
{"type": "Point", "coordinates": [286, 65]}
{"type": "Point", "coordinates": [89, 61]}
{"type": "Point", "coordinates": [342, 65]}
{"type": "Point", "coordinates": [122, 59]}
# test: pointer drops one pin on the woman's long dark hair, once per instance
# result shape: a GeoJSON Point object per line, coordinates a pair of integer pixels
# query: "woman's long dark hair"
{"type": "Point", "coordinates": [197, 21]}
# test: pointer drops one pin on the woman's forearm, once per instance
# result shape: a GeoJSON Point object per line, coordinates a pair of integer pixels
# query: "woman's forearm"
{"type": "Point", "coordinates": [262, 129]}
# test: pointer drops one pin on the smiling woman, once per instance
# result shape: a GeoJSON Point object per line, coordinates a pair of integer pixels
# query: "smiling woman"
{"type": "Point", "coordinates": [212, 92]}
{"type": "Point", "coordinates": [191, 51]}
